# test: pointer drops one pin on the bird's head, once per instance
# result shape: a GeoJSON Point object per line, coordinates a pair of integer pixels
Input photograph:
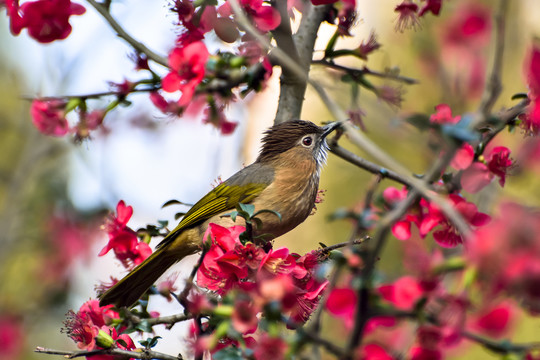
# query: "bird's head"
{"type": "Point", "coordinates": [303, 138]}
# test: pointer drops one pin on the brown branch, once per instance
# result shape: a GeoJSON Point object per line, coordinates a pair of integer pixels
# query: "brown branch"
{"type": "Point", "coordinates": [121, 33]}
{"type": "Point", "coordinates": [354, 72]}
{"type": "Point", "coordinates": [328, 345]}
{"type": "Point", "coordinates": [344, 244]}
{"type": "Point", "coordinates": [367, 165]}
{"type": "Point", "coordinates": [494, 85]}
{"type": "Point", "coordinates": [300, 50]}
{"type": "Point", "coordinates": [144, 354]}
{"type": "Point", "coordinates": [165, 320]}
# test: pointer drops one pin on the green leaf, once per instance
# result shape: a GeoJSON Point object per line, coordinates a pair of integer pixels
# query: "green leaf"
{"type": "Point", "coordinates": [163, 223]}
{"type": "Point", "coordinates": [519, 96]}
{"type": "Point", "coordinates": [72, 104]}
{"type": "Point", "coordinates": [246, 208]}
{"type": "Point", "coordinates": [268, 211]}
{"type": "Point", "coordinates": [174, 202]}
{"type": "Point", "coordinates": [229, 353]}
{"type": "Point", "coordinates": [419, 121]}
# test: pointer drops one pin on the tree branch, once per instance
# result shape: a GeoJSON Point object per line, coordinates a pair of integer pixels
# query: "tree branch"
{"type": "Point", "coordinates": [494, 85]}
{"type": "Point", "coordinates": [144, 354]}
{"type": "Point", "coordinates": [121, 33]}
{"type": "Point", "coordinates": [365, 71]}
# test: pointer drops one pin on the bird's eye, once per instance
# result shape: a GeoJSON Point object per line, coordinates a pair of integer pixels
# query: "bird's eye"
{"type": "Point", "coordinates": [307, 141]}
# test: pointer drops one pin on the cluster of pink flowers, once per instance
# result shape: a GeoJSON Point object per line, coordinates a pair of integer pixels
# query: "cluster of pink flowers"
{"type": "Point", "coordinates": [427, 217]}
{"type": "Point", "coordinates": [276, 275]}
{"type": "Point", "coordinates": [46, 20]}
{"type": "Point", "coordinates": [476, 172]}
{"type": "Point", "coordinates": [255, 278]}
{"type": "Point", "coordinates": [49, 117]}
{"type": "Point", "coordinates": [511, 239]}
{"type": "Point", "coordinates": [92, 328]}
{"type": "Point", "coordinates": [451, 315]}
{"type": "Point", "coordinates": [123, 240]}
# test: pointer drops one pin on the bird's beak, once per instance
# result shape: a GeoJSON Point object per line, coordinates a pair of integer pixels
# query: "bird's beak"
{"type": "Point", "coordinates": [327, 129]}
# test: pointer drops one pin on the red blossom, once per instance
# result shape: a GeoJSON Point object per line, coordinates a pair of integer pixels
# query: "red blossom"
{"type": "Point", "coordinates": [403, 293]}
{"type": "Point", "coordinates": [511, 239]}
{"type": "Point", "coordinates": [494, 320]}
{"type": "Point", "coordinates": [84, 326]}
{"type": "Point", "coordinates": [374, 352]}
{"type": "Point", "coordinates": [46, 20]}
{"type": "Point", "coordinates": [214, 114]}
{"type": "Point", "coordinates": [408, 16]}
{"type": "Point", "coordinates": [464, 157]}
{"type": "Point", "coordinates": [341, 302]}
{"type": "Point", "coordinates": [401, 228]}
{"type": "Point", "coordinates": [367, 47]}
{"type": "Point", "coordinates": [11, 337]}
{"type": "Point", "coordinates": [446, 234]}
{"type": "Point", "coordinates": [478, 175]}
{"type": "Point", "coordinates": [49, 117]}
{"type": "Point", "coordinates": [244, 317]}
{"type": "Point", "coordinates": [270, 348]}
{"type": "Point", "coordinates": [433, 6]}
{"type": "Point", "coordinates": [123, 240]}
{"type": "Point", "coordinates": [188, 66]}
{"type": "Point", "coordinates": [443, 115]}
{"type": "Point", "coordinates": [265, 17]}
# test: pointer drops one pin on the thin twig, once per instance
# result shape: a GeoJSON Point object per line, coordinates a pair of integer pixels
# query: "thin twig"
{"type": "Point", "coordinates": [139, 47]}
{"type": "Point", "coordinates": [344, 244]}
{"type": "Point", "coordinates": [366, 165]}
{"type": "Point", "coordinates": [365, 71]}
{"type": "Point", "coordinates": [144, 354]}
{"type": "Point", "coordinates": [166, 320]}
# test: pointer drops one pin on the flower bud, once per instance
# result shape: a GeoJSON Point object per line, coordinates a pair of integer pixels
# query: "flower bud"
{"type": "Point", "coordinates": [104, 340]}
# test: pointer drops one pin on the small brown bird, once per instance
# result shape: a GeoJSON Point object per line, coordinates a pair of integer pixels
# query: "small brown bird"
{"type": "Point", "coordinates": [284, 178]}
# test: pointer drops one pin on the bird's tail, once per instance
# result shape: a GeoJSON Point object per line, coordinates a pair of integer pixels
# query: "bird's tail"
{"type": "Point", "coordinates": [128, 290]}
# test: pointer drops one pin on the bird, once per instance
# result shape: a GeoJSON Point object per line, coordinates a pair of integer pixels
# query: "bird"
{"type": "Point", "coordinates": [284, 179]}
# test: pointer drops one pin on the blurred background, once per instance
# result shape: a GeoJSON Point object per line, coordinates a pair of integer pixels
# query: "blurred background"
{"type": "Point", "coordinates": [55, 194]}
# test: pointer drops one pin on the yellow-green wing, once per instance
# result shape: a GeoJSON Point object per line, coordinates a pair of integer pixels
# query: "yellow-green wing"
{"type": "Point", "coordinates": [226, 196]}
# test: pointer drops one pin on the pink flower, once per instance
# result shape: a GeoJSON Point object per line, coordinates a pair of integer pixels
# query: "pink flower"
{"type": "Point", "coordinates": [494, 320]}
{"type": "Point", "coordinates": [278, 262]}
{"type": "Point", "coordinates": [464, 157]}
{"type": "Point", "coordinates": [402, 228]}
{"type": "Point", "coordinates": [403, 293]}
{"type": "Point", "coordinates": [433, 6]}
{"type": "Point", "coordinates": [244, 317]}
{"type": "Point", "coordinates": [446, 235]}
{"type": "Point", "coordinates": [84, 326]}
{"type": "Point", "coordinates": [443, 115]}
{"type": "Point", "coordinates": [270, 348]}
{"type": "Point", "coordinates": [48, 116]}
{"type": "Point", "coordinates": [46, 20]}
{"type": "Point", "coordinates": [368, 46]}
{"type": "Point", "coordinates": [374, 352]}
{"type": "Point", "coordinates": [408, 16]}
{"type": "Point", "coordinates": [11, 337]}
{"type": "Point", "coordinates": [341, 302]}
{"type": "Point", "coordinates": [478, 175]}
{"type": "Point", "coordinates": [188, 66]}
{"type": "Point", "coordinates": [165, 106]}
{"type": "Point", "coordinates": [221, 268]}
{"type": "Point", "coordinates": [214, 114]}
{"type": "Point", "coordinates": [123, 240]}
{"type": "Point", "coordinates": [265, 17]}
{"type": "Point", "coordinates": [511, 239]}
